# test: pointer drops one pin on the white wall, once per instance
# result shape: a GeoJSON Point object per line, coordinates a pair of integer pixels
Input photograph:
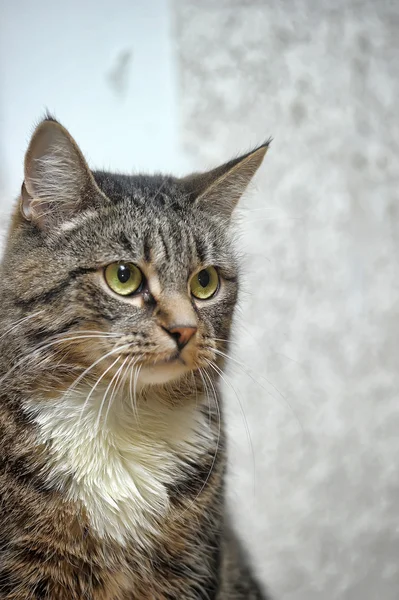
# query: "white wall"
{"type": "Point", "coordinates": [64, 57]}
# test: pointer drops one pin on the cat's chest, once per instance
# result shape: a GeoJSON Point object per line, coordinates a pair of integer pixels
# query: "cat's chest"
{"type": "Point", "coordinates": [120, 470]}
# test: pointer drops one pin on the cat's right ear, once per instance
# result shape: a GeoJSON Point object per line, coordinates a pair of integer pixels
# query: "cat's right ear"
{"type": "Point", "coordinates": [218, 191]}
{"type": "Point", "coordinates": [58, 183]}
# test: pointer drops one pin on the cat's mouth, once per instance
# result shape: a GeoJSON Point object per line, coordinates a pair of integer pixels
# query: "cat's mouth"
{"type": "Point", "coordinates": [163, 371]}
{"type": "Point", "coordinates": [166, 364]}
{"type": "Point", "coordinates": [175, 357]}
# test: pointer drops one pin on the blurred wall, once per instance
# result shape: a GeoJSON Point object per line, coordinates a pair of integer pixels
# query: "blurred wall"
{"type": "Point", "coordinates": [104, 69]}
{"type": "Point", "coordinates": [318, 325]}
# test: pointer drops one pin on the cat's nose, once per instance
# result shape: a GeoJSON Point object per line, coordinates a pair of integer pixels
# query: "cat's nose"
{"type": "Point", "coordinates": [181, 333]}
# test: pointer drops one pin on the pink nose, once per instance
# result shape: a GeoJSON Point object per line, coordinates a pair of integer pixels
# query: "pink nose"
{"type": "Point", "coordinates": [182, 334]}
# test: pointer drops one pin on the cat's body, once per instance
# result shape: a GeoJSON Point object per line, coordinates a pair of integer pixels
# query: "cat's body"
{"type": "Point", "coordinates": [112, 450]}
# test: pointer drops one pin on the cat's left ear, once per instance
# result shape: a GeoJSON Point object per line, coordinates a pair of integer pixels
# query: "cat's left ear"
{"type": "Point", "coordinates": [58, 182]}
{"type": "Point", "coordinates": [219, 190]}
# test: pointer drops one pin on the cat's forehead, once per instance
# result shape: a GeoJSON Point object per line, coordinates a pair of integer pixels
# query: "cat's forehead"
{"type": "Point", "coordinates": [170, 236]}
{"type": "Point", "coordinates": [159, 227]}
{"type": "Point", "coordinates": [149, 191]}
{"type": "Point", "coordinates": [156, 209]}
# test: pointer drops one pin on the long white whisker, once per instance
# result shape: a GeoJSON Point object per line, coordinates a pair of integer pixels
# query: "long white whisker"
{"type": "Point", "coordinates": [249, 374]}
{"type": "Point", "coordinates": [195, 386]}
{"type": "Point", "coordinates": [90, 368]}
{"type": "Point", "coordinates": [136, 376]}
{"type": "Point", "coordinates": [40, 348]}
{"type": "Point", "coordinates": [20, 321]}
{"type": "Point", "coordinates": [102, 375]}
{"type": "Point", "coordinates": [97, 423]}
{"type": "Point", "coordinates": [216, 450]}
{"type": "Point", "coordinates": [125, 377]}
{"type": "Point", "coordinates": [131, 394]}
{"type": "Point", "coordinates": [251, 210]}
{"type": "Point", "coordinates": [32, 354]}
{"type": "Point", "coordinates": [207, 396]}
{"type": "Point", "coordinates": [94, 331]}
{"type": "Point", "coordinates": [279, 218]}
{"type": "Point", "coordinates": [116, 388]}
{"type": "Point", "coordinates": [219, 372]}
{"type": "Point", "coordinates": [217, 443]}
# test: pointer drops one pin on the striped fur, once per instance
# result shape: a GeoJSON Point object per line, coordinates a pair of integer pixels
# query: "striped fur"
{"type": "Point", "coordinates": [112, 446]}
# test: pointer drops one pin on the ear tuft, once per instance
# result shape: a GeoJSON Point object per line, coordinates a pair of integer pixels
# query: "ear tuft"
{"type": "Point", "coordinates": [57, 181]}
{"type": "Point", "coordinates": [220, 189]}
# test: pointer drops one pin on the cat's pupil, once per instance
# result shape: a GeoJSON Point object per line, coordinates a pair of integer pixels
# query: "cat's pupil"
{"type": "Point", "coordinates": [204, 278]}
{"type": "Point", "coordinates": [123, 274]}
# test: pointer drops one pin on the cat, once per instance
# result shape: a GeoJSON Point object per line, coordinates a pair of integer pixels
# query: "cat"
{"type": "Point", "coordinates": [117, 297]}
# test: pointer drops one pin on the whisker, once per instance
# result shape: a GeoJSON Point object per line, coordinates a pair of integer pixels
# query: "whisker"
{"type": "Point", "coordinates": [207, 396]}
{"type": "Point", "coordinates": [223, 377]}
{"type": "Point", "coordinates": [20, 321]}
{"type": "Point", "coordinates": [95, 331]}
{"type": "Point", "coordinates": [247, 372]}
{"type": "Point", "coordinates": [59, 340]}
{"type": "Point", "coordinates": [195, 387]}
{"type": "Point", "coordinates": [136, 376]}
{"type": "Point", "coordinates": [125, 376]}
{"type": "Point", "coordinates": [216, 404]}
{"type": "Point", "coordinates": [90, 368]}
{"type": "Point", "coordinates": [279, 218]}
{"type": "Point", "coordinates": [131, 394]}
{"type": "Point", "coordinates": [109, 386]}
{"type": "Point", "coordinates": [96, 426]}
{"type": "Point", "coordinates": [251, 210]}
{"type": "Point", "coordinates": [215, 453]}
{"type": "Point", "coordinates": [40, 348]}
{"type": "Point", "coordinates": [118, 381]}
{"type": "Point", "coordinates": [101, 377]}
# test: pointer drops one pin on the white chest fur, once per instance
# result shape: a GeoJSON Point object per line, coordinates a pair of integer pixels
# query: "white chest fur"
{"type": "Point", "coordinates": [120, 470]}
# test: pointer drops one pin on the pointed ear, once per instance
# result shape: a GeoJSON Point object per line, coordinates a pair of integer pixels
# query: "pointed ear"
{"type": "Point", "coordinates": [219, 190]}
{"type": "Point", "coordinates": [58, 183]}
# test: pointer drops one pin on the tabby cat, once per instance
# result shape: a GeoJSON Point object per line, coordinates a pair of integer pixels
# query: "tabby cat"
{"type": "Point", "coordinates": [117, 295]}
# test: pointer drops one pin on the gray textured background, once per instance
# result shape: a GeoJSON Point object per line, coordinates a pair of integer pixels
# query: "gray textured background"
{"type": "Point", "coordinates": [318, 326]}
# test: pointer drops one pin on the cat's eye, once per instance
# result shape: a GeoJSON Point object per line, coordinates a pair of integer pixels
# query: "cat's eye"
{"type": "Point", "coordinates": [124, 278]}
{"type": "Point", "coordinates": [205, 283]}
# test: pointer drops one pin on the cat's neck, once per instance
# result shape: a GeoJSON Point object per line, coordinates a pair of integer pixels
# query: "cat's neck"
{"type": "Point", "coordinates": [120, 459]}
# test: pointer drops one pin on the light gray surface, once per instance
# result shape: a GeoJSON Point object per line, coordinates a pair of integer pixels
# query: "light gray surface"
{"type": "Point", "coordinates": [99, 67]}
{"type": "Point", "coordinates": [319, 315]}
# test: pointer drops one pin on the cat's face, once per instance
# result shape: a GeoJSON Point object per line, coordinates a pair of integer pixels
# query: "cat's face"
{"type": "Point", "coordinates": [166, 283]}
{"type": "Point", "coordinates": [118, 274]}
{"type": "Point", "coordinates": [133, 271]}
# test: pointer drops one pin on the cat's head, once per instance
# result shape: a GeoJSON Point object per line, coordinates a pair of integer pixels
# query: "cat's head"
{"type": "Point", "coordinates": [109, 270]}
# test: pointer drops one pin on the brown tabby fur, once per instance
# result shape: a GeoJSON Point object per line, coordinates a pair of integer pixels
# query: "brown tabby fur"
{"type": "Point", "coordinates": [70, 223]}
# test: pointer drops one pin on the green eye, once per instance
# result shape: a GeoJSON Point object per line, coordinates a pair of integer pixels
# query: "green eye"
{"type": "Point", "coordinates": [205, 283]}
{"type": "Point", "coordinates": [123, 278]}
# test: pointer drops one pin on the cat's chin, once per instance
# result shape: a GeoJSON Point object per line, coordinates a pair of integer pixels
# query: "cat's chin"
{"type": "Point", "coordinates": [163, 372]}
